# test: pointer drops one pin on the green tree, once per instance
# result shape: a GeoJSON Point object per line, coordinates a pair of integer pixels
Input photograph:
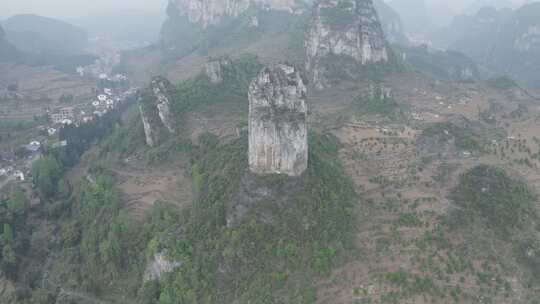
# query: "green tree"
{"type": "Point", "coordinates": [9, 259]}
{"type": "Point", "coordinates": [47, 172]}
{"type": "Point", "coordinates": [17, 202]}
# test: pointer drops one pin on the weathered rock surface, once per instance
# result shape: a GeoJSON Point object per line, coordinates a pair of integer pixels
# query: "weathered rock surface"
{"type": "Point", "coordinates": [148, 130]}
{"type": "Point", "coordinates": [213, 12]}
{"type": "Point", "coordinates": [344, 36]}
{"type": "Point", "coordinates": [214, 69]}
{"type": "Point", "coordinates": [278, 122]}
{"type": "Point", "coordinates": [158, 266]}
{"type": "Point", "coordinates": [155, 109]}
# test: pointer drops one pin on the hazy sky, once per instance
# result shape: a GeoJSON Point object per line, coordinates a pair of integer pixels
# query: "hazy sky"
{"type": "Point", "coordinates": [76, 8]}
{"type": "Point", "coordinates": [68, 9]}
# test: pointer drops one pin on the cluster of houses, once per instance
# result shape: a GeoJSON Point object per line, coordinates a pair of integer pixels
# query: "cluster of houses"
{"type": "Point", "coordinates": [104, 102]}
{"type": "Point", "coordinates": [15, 166]}
{"type": "Point", "coordinates": [10, 170]}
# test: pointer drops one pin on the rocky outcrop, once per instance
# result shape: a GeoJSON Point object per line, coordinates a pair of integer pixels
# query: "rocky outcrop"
{"type": "Point", "coordinates": [150, 137]}
{"type": "Point", "coordinates": [158, 266]}
{"type": "Point", "coordinates": [161, 88]}
{"type": "Point", "coordinates": [155, 109]}
{"type": "Point", "coordinates": [278, 122]}
{"type": "Point", "coordinates": [344, 36]}
{"type": "Point", "coordinates": [214, 69]}
{"type": "Point", "coordinates": [212, 12]}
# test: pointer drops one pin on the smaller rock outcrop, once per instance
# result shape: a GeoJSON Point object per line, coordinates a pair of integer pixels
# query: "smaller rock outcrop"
{"type": "Point", "coordinates": [214, 69]}
{"type": "Point", "coordinates": [158, 266]}
{"type": "Point", "coordinates": [155, 109]}
{"type": "Point", "coordinates": [278, 122]}
{"type": "Point", "coordinates": [344, 37]}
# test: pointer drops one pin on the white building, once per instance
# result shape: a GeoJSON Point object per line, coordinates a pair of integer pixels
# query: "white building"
{"type": "Point", "coordinates": [19, 175]}
{"type": "Point", "coordinates": [102, 97]}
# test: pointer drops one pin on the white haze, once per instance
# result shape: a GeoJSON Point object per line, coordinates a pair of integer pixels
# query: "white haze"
{"type": "Point", "coordinates": [68, 9]}
{"type": "Point", "coordinates": [440, 11]}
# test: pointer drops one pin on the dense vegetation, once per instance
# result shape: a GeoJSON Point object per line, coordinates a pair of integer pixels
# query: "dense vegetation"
{"type": "Point", "coordinates": [15, 230]}
{"type": "Point", "coordinates": [489, 193]}
{"type": "Point", "coordinates": [237, 75]}
{"type": "Point", "coordinates": [378, 102]}
{"type": "Point", "coordinates": [102, 250]}
{"type": "Point", "coordinates": [493, 205]}
{"type": "Point", "coordinates": [264, 262]}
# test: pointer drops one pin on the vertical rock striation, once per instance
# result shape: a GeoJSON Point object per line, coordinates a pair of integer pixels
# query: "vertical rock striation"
{"type": "Point", "coordinates": [214, 69]}
{"type": "Point", "coordinates": [345, 35]}
{"type": "Point", "coordinates": [278, 122]}
{"type": "Point", "coordinates": [155, 109]}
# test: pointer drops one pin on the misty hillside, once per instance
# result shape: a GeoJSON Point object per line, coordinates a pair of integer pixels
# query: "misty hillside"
{"type": "Point", "coordinates": [124, 26]}
{"type": "Point", "coordinates": [505, 41]}
{"type": "Point", "coordinates": [37, 35]}
{"type": "Point", "coordinates": [7, 51]}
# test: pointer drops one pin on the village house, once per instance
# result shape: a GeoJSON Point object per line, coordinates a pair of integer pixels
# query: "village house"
{"type": "Point", "coordinates": [33, 146]}
{"type": "Point", "coordinates": [19, 175]}
{"type": "Point", "coordinates": [63, 115]}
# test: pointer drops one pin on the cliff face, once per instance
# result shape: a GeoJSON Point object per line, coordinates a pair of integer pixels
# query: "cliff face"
{"type": "Point", "coordinates": [343, 33]}
{"type": "Point", "coordinates": [214, 69]}
{"type": "Point", "coordinates": [161, 88]}
{"type": "Point", "coordinates": [155, 109]}
{"type": "Point", "coordinates": [212, 12]}
{"type": "Point", "coordinates": [278, 122]}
